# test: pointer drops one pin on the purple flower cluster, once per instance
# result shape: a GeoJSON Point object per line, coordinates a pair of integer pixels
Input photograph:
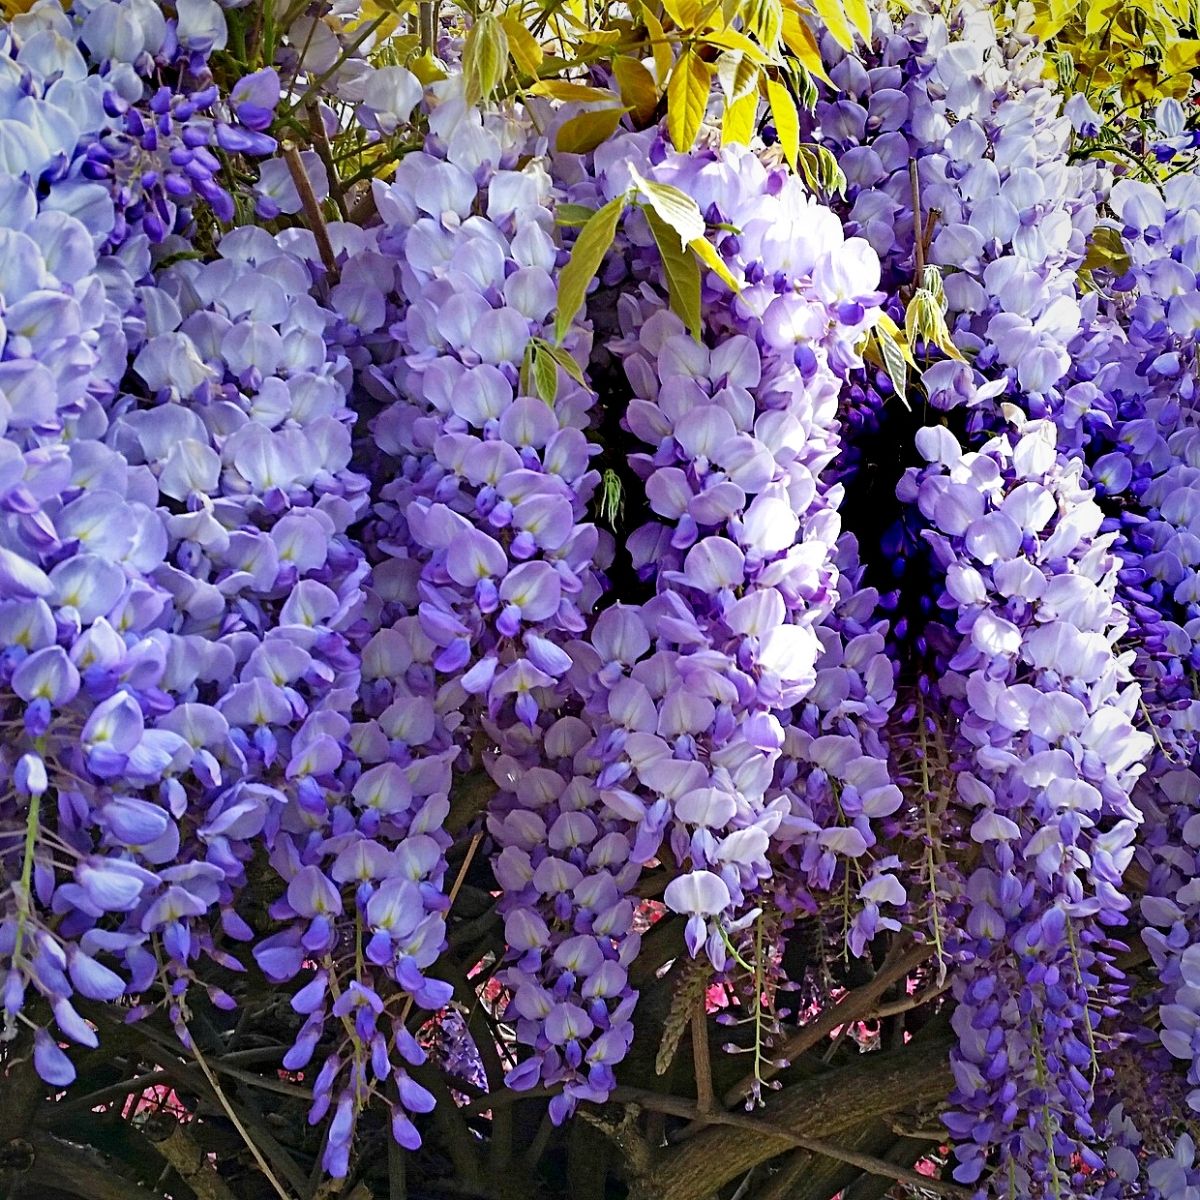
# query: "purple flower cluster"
{"type": "Point", "coordinates": [1047, 755]}
{"type": "Point", "coordinates": [701, 687]}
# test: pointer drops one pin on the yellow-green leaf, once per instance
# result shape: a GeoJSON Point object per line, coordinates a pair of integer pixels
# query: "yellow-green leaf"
{"type": "Point", "coordinates": [564, 89]}
{"type": "Point", "coordinates": [564, 360]}
{"type": "Point", "coordinates": [802, 42]}
{"type": "Point", "coordinates": [706, 252]}
{"type": "Point", "coordinates": [1106, 249]}
{"type": "Point", "coordinates": [683, 12]}
{"type": "Point", "coordinates": [659, 46]}
{"type": "Point", "coordinates": [834, 19]}
{"type": "Point", "coordinates": [884, 322]}
{"type": "Point", "coordinates": [764, 19]}
{"type": "Point", "coordinates": [687, 99]}
{"type": "Point", "coordinates": [586, 256]}
{"type": "Point", "coordinates": [583, 133]}
{"type": "Point", "coordinates": [860, 16]}
{"type": "Point", "coordinates": [545, 375]}
{"type": "Point", "coordinates": [637, 88]}
{"type": "Point", "coordinates": [737, 75]}
{"type": "Point", "coordinates": [573, 215]}
{"type": "Point", "coordinates": [427, 68]}
{"type": "Point", "coordinates": [522, 45]}
{"type": "Point", "coordinates": [893, 357]}
{"type": "Point", "coordinates": [485, 58]}
{"type": "Point", "coordinates": [738, 119]}
{"type": "Point", "coordinates": [787, 120]}
{"type": "Point", "coordinates": [731, 39]}
{"type": "Point", "coordinates": [682, 272]}
{"type": "Point", "coordinates": [677, 209]}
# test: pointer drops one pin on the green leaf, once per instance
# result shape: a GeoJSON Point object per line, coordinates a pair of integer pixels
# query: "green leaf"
{"type": "Point", "coordinates": [893, 363]}
{"type": "Point", "coordinates": [637, 87]}
{"type": "Point", "coordinates": [485, 58]}
{"type": "Point", "coordinates": [581, 134]}
{"type": "Point", "coordinates": [545, 375]}
{"type": "Point", "coordinates": [564, 360]}
{"type": "Point", "coordinates": [672, 206]}
{"type": "Point", "coordinates": [787, 120]}
{"type": "Point", "coordinates": [586, 256]}
{"type": "Point", "coordinates": [764, 19]}
{"type": "Point", "coordinates": [860, 16]}
{"type": "Point", "coordinates": [612, 498]}
{"type": "Point", "coordinates": [682, 271]}
{"type": "Point", "coordinates": [931, 281]}
{"type": "Point", "coordinates": [706, 252]}
{"type": "Point", "coordinates": [573, 215]}
{"type": "Point", "coordinates": [687, 99]}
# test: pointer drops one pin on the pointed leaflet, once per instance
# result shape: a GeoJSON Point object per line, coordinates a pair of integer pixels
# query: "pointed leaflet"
{"type": "Point", "coordinates": [586, 256]}
{"type": "Point", "coordinates": [736, 74]}
{"type": "Point", "coordinates": [764, 19]}
{"type": "Point", "coordinates": [834, 19]}
{"type": "Point", "coordinates": [567, 90]}
{"type": "Point", "coordinates": [895, 355]}
{"type": "Point", "coordinates": [738, 119]}
{"type": "Point", "coordinates": [707, 254]}
{"type": "Point", "coordinates": [637, 88]}
{"type": "Point", "coordinates": [687, 99]}
{"type": "Point", "coordinates": [573, 215]}
{"type": "Point", "coordinates": [522, 45]}
{"type": "Point", "coordinates": [545, 375]}
{"type": "Point", "coordinates": [860, 15]}
{"type": "Point", "coordinates": [484, 59]}
{"type": "Point", "coordinates": [802, 42]}
{"type": "Point", "coordinates": [564, 360]}
{"type": "Point", "coordinates": [787, 120]}
{"type": "Point", "coordinates": [583, 133]}
{"type": "Point", "coordinates": [660, 48]}
{"type": "Point", "coordinates": [674, 207]}
{"type": "Point", "coordinates": [682, 270]}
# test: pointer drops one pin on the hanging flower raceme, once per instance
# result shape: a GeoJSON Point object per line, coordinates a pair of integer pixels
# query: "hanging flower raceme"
{"type": "Point", "coordinates": [1046, 756]}
{"type": "Point", "coordinates": [740, 425]}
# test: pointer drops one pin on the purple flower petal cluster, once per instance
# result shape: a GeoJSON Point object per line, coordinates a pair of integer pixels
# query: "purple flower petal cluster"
{"type": "Point", "coordinates": [700, 684]}
{"type": "Point", "coordinates": [1046, 756]}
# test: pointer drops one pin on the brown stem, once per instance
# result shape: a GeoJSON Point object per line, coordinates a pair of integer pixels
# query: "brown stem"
{"type": "Point", "coordinates": [62, 1168]}
{"type": "Point", "coordinates": [316, 129]}
{"type": "Point", "coordinates": [811, 1113]}
{"type": "Point", "coordinates": [757, 1125]}
{"type": "Point", "coordinates": [918, 228]}
{"type": "Point", "coordinates": [311, 206]}
{"type": "Point", "coordinates": [705, 1101]}
{"type": "Point", "coordinates": [426, 18]}
{"type": "Point", "coordinates": [899, 963]}
{"type": "Point", "coordinates": [232, 1113]}
{"type": "Point", "coordinates": [190, 1161]}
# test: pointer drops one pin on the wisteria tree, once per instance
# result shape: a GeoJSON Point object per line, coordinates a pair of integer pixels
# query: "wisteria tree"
{"type": "Point", "coordinates": [599, 601]}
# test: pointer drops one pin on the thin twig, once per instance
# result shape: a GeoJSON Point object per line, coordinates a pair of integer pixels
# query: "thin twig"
{"type": "Point", "coordinates": [907, 1003]}
{"type": "Point", "coordinates": [231, 1113]}
{"type": "Point", "coordinates": [899, 962]}
{"type": "Point", "coordinates": [918, 227]}
{"type": "Point", "coordinates": [656, 1102]}
{"type": "Point", "coordinates": [705, 1100]}
{"type": "Point", "coordinates": [320, 141]}
{"type": "Point", "coordinates": [425, 19]}
{"type": "Point", "coordinates": [311, 206]}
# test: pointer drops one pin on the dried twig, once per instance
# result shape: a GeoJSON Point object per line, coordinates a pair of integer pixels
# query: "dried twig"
{"type": "Point", "coordinates": [231, 1113]}
{"type": "Point", "coordinates": [918, 227]}
{"type": "Point", "coordinates": [311, 206]}
{"type": "Point", "coordinates": [851, 1007]}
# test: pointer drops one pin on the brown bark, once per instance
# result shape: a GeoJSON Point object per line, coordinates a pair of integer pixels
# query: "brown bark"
{"type": "Point", "coordinates": [829, 1106]}
{"type": "Point", "coordinates": [65, 1167]}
